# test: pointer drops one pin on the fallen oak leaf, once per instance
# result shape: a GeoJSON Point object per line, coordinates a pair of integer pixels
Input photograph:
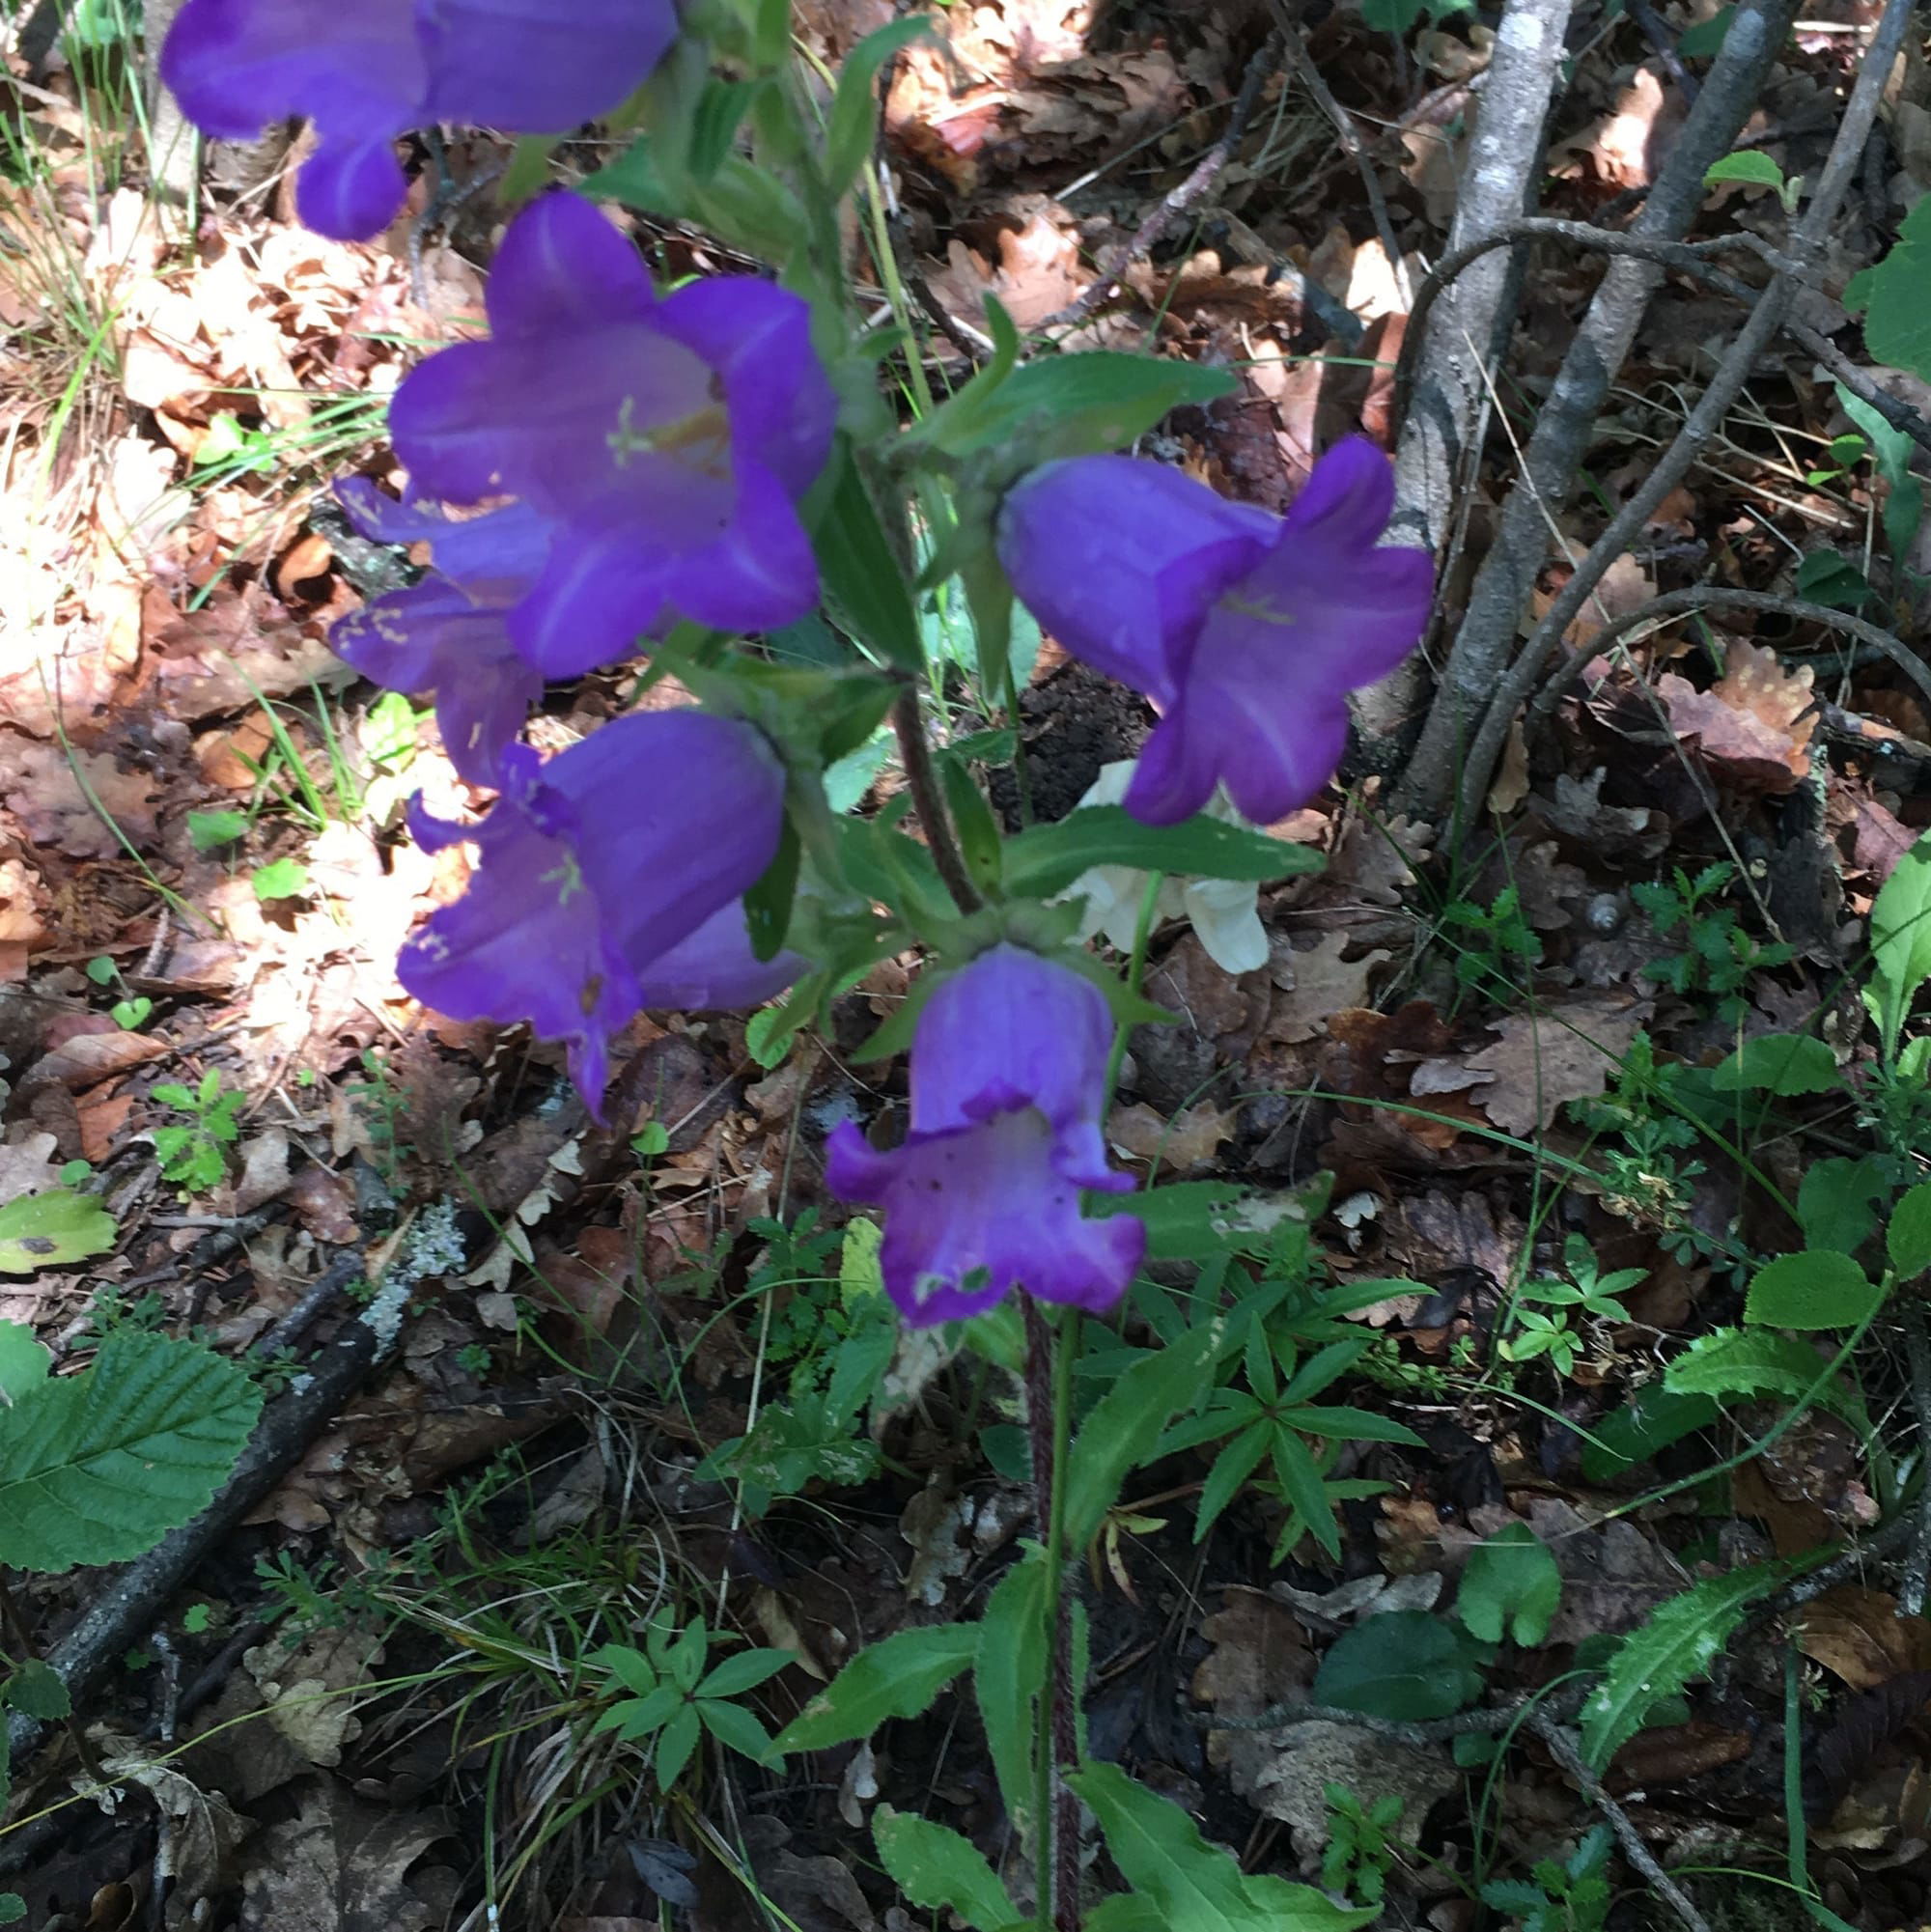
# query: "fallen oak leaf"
{"type": "Point", "coordinates": [1541, 1062]}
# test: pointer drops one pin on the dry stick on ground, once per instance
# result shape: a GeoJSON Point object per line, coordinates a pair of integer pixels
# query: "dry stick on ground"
{"type": "Point", "coordinates": [1702, 423]}
{"type": "Point", "coordinates": [1691, 258]}
{"type": "Point", "coordinates": [1441, 440]}
{"type": "Point", "coordinates": [1173, 204]}
{"type": "Point", "coordinates": [1719, 597]}
{"type": "Point", "coordinates": [1561, 435]}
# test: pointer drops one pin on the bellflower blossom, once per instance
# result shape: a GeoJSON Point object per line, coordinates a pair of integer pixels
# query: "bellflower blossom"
{"type": "Point", "coordinates": [605, 879]}
{"type": "Point", "coordinates": [1008, 1088]}
{"type": "Point", "coordinates": [448, 632]}
{"type": "Point", "coordinates": [367, 71]}
{"type": "Point", "coordinates": [1247, 632]}
{"type": "Point", "coordinates": [665, 444]}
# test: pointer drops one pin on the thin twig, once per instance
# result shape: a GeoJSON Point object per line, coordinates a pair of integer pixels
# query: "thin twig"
{"type": "Point", "coordinates": [916, 755]}
{"type": "Point", "coordinates": [1555, 449]}
{"type": "Point", "coordinates": [1703, 421]}
{"type": "Point", "coordinates": [1301, 65]}
{"type": "Point", "coordinates": [1917, 1564]}
{"type": "Point", "coordinates": [1691, 257]}
{"type": "Point", "coordinates": [1719, 597]}
{"type": "Point", "coordinates": [1174, 203]}
{"type": "Point", "coordinates": [1562, 1749]}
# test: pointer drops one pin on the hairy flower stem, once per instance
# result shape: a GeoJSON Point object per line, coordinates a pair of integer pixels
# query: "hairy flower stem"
{"type": "Point", "coordinates": [916, 755]}
{"type": "Point", "coordinates": [1049, 1419]}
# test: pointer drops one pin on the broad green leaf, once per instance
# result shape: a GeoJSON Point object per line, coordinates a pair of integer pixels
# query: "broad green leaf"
{"type": "Point", "coordinates": [1071, 405]}
{"type": "Point", "coordinates": [896, 1678]}
{"type": "Point", "coordinates": [735, 1728]}
{"type": "Point", "coordinates": [12, 1908]}
{"type": "Point", "coordinates": [1677, 1643]}
{"type": "Point", "coordinates": [1122, 1912]}
{"type": "Point", "coordinates": [39, 1689]}
{"type": "Point", "coordinates": [97, 1468]}
{"type": "Point", "coordinates": [1162, 1855]}
{"type": "Point", "coordinates": [850, 127]}
{"type": "Point", "coordinates": [1008, 1675]}
{"type": "Point", "coordinates": [1837, 1201]}
{"type": "Point", "coordinates": [939, 1870]}
{"type": "Point", "coordinates": [1908, 1238]}
{"type": "Point", "coordinates": [1757, 1361]}
{"type": "Point", "coordinates": [1750, 165]}
{"type": "Point", "coordinates": [23, 1361]}
{"type": "Point", "coordinates": [205, 830]}
{"type": "Point", "coordinates": [1700, 40]}
{"type": "Point", "coordinates": [1406, 1665]}
{"type": "Point", "coordinates": [281, 878]}
{"type": "Point", "coordinates": [52, 1230]}
{"type": "Point", "coordinates": [1651, 1420]}
{"type": "Point", "coordinates": [675, 1744]}
{"type": "Point", "coordinates": [1897, 324]}
{"type": "Point", "coordinates": [1511, 1586]}
{"type": "Point", "coordinates": [1299, 1908]}
{"type": "Point", "coordinates": [1900, 916]}
{"type": "Point", "coordinates": [1819, 1288]}
{"type": "Point", "coordinates": [743, 1672]}
{"type": "Point", "coordinates": [1784, 1064]}
{"type": "Point", "coordinates": [1045, 860]}
{"type": "Point", "coordinates": [1126, 1425]}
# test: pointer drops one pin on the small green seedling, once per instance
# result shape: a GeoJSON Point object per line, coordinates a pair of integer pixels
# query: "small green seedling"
{"type": "Point", "coordinates": [191, 1152]}
{"type": "Point", "coordinates": [131, 1010]}
{"type": "Point", "coordinates": [1753, 168]}
{"type": "Point", "coordinates": [1360, 1851]}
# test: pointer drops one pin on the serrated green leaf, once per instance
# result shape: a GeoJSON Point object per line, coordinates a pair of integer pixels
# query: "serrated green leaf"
{"type": "Point", "coordinates": [1407, 1665]}
{"type": "Point", "coordinates": [743, 1672]}
{"type": "Point", "coordinates": [1678, 1642]}
{"type": "Point", "coordinates": [1126, 1425]}
{"type": "Point", "coordinates": [97, 1468]}
{"type": "Point", "coordinates": [1908, 1239]}
{"type": "Point", "coordinates": [1819, 1288]}
{"type": "Point", "coordinates": [1045, 860]}
{"type": "Point", "coordinates": [675, 1744]}
{"type": "Point", "coordinates": [1837, 1201]}
{"type": "Point", "coordinates": [1510, 1586]}
{"type": "Point", "coordinates": [1900, 916]}
{"type": "Point", "coordinates": [1758, 1361]}
{"type": "Point", "coordinates": [1784, 1064]}
{"type": "Point", "coordinates": [1302, 1908]}
{"type": "Point", "coordinates": [39, 1689]}
{"type": "Point", "coordinates": [941, 1871]}
{"type": "Point", "coordinates": [896, 1678]}
{"type": "Point", "coordinates": [52, 1230]}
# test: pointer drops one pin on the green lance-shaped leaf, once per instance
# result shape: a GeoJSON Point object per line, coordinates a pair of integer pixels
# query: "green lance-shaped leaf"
{"type": "Point", "coordinates": [1901, 917]}
{"type": "Point", "coordinates": [1755, 1361]}
{"type": "Point", "coordinates": [1897, 326]}
{"type": "Point", "coordinates": [1126, 1425]}
{"type": "Point", "coordinates": [896, 1678]}
{"type": "Point", "coordinates": [1045, 860]}
{"type": "Point", "coordinates": [1819, 1288]}
{"type": "Point", "coordinates": [97, 1468]}
{"type": "Point", "coordinates": [1008, 1675]}
{"type": "Point", "coordinates": [52, 1230]}
{"type": "Point", "coordinates": [938, 1870]}
{"type": "Point", "coordinates": [1677, 1643]}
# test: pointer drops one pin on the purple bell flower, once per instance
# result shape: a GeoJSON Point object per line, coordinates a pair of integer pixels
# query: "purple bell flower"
{"type": "Point", "coordinates": [665, 444]}
{"type": "Point", "coordinates": [1008, 1087]}
{"type": "Point", "coordinates": [596, 871]}
{"type": "Point", "coordinates": [448, 632]}
{"type": "Point", "coordinates": [366, 71]}
{"type": "Point", "coordinates": [1245, 630]}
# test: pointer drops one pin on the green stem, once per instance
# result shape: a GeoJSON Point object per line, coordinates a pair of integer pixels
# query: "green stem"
{"type": "Point", "coordinates": [1051, 1347]}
